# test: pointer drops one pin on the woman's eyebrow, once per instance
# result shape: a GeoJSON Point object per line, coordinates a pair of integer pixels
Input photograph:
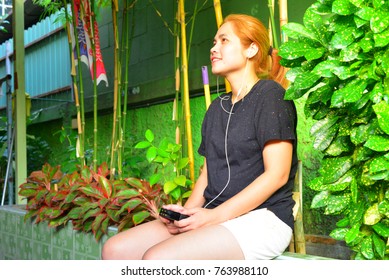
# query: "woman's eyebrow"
{"type": "Point", "coordinates": [220, 36]}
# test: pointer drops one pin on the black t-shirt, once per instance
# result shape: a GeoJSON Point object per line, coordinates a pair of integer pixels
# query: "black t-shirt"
{"type": "Point", "coordinates": [262, 115]}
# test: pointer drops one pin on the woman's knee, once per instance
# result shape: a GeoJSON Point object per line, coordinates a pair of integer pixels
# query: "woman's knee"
{"type": "Point", "coordinates": [110, 249]}
{"type": "Point", "coordinates": [155, 253]}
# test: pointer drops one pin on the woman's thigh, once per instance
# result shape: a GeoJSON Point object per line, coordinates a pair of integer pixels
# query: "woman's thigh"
{"type": "Point", "coordinates": [212, 242]}
{"type": "Point", "coordinates": [133, 243]}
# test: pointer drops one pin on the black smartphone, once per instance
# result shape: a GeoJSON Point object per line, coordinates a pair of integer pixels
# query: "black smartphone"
{"type": "Point", "coordinates": [171, 215]}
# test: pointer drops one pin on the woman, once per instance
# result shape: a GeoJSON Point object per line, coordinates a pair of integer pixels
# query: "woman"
{"type": "Point", "coordinates": [241, 205]}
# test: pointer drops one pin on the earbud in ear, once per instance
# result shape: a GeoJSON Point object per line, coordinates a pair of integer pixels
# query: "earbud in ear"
{"type": "Point", "coordinates": [251, 51]}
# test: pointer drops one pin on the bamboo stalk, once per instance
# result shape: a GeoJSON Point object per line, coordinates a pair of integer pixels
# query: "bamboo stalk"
{"type": "Point", "coordinates": [272, 26]}
{"type": "Point", "coordinates": [127, 51]}
{"type": "Point", "coordinates": [115, 87]}
{"type": "Point", "coordinates": [73, 74]}
{"type": "Point", "coordinates": [218, 12]}
{"type": "Point", "coordinates": [186, 89]}
{"type": "Point", "coordinates": [79, 98]}
{"type": "Point", "coordinates": [283, 18]}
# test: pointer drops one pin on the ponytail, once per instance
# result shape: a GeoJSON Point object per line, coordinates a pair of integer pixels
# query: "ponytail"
{"type": "Point", "coordinates": [277, 71]}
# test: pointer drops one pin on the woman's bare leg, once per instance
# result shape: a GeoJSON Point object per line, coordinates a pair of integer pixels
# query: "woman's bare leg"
{"type": "Point", "coordinates": [133, 243]}
{"type": "Point", "coordinates": [212, 242]}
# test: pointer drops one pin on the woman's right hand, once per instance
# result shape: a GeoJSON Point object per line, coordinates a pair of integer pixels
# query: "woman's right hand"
{"type": "Point", "coordinates": [170, 225]}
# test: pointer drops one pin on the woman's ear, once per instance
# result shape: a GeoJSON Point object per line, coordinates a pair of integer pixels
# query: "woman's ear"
{"type": "Point", "coordinates": [252, 50]}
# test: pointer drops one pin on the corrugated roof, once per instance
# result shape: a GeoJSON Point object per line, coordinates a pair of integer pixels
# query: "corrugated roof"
{"type": "Point", "coordinates": [32, 15]}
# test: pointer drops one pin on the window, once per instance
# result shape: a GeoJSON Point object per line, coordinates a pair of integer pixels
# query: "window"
{"type": "Point", "coordinates": [6, 7]}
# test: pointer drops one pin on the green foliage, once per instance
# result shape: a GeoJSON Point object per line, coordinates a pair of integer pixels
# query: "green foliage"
{"type": "Point", "coordinates": [167, 158]}
{"type": "Point", "coordinates": [91, 200]}
{"type": "Point", "coordinates": [339, 60]}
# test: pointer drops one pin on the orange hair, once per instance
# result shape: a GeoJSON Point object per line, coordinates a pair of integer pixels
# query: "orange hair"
{"type": "Point", "coordinates": [250, 30]}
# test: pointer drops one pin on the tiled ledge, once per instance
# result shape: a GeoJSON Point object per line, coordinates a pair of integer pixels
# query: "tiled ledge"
{"type": "Point", "coordinates": [21, 240]}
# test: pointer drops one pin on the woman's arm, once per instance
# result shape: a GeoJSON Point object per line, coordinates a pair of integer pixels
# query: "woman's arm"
{"type": "Point", "coordinates": [277, 156]}
{"type": "Point", "coordinates": [196, 199]}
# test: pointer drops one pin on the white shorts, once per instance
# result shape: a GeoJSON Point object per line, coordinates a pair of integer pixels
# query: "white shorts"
{"type": "Point", "coordinates": [260, 234]}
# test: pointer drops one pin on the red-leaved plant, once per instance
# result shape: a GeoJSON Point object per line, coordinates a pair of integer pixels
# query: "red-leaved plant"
{"type": "Point", "coordinates": [91, 200]}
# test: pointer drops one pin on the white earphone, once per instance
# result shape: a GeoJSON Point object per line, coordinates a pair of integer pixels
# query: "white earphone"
{"type": "Point", "coordinates": [251, 51]}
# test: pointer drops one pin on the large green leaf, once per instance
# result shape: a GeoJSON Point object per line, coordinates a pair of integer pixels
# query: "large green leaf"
{"type": "Point", "coordinates": [75, 213]}
{"type": "Point", "coordinates": [180, 180]}
{"type": "Point", "coordinates": [372, 215]}
{"type": "Point", "coordinates": [320, 200]}
{"type": "Point", "coordinates": [379, 246]}
{"type": "Point", "coordinates": [324, 68]}
{"type": "Point", "coordinates": [336, 204]}
{"type": "Point", "coordinates": [27, 192]}
{"type": "Point", "coordinates": [352, 234]}
{"type": "Point", "coordinates": [352, 92]}
{"type": "Point", "coordinates": [91, 213]}
{"type": "Point", "coordinates": [378, 165]}
{"type": "Point", "coordinates": [313, 22]}
{"type": "Point", "coordinates": [381, 39]}
{"type": "Point", "coordinates": [383, 208]}
{"type": "Point", "coordinates": [324, 131]}
{"type": "Point", "coordinates": [342, 183]}
{"type": "Point", "coordinates": [382, 111]}
{"type": "Point", "coordinates": [169, 186]}
{"type": "Point", "coordinates": [378, 143]}
{"type": "Point", "coordinates": [306, 80]}
{"type": "Point", "coordinates": [155, 178]}
{"type": "Point", "coordinates": [93, 191]}
{"type": "Point", "coordinates": [139, 217]}
{"type": "Point", "coordinates": [292, 50]}
{"type": "Point", "coordinates": [129, 193]}
{"type": "Point", "coordinates": [342, 39]}
{"type": "Point", "coordinates": [96, 224]}
{"type": "Point", "coordinates": [381, 229]}
{"type": "Point", "coordinates": [296, 31]}
{"type": "Point", "coordinates": [360, 134]}
{"type": "Point", "coordinates": [338, 146]}
{"type": "Point", "coordinates": [365, 13]}
{"type": "Point", "coordinates": [367, 248]}
{"type": "Point", "coordinates": [142, 145]}
{"type": "Point", "coordinates": [106, 186]}
{"type": "Point", "coordinates": [345, 222]}
{"type": "Point", "coordinates": [380, 20]}
{"type": "Point", "coordinates": [367, 43]}
{"type": "Point", "coordinates": [151, 154]}
{"type": "Point", "coordinates": [357, 3]}
{"type": "Point", "coordinates": [149, 135]}
{"type": "Point", "coordinates": [317, 184]}
{"type": "Point", "coordinates": [343, 7]}
{"type": "Point", "coordinates": [334, 168]}
{"type": "Point", "coordinates": [339, 233]}
{"type": "Point", "coordinates": [346, 55]}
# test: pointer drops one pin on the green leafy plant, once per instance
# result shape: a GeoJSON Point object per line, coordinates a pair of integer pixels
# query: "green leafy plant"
{"type": "Point", "coordinates": [339, 60]}
{"type": "Point", "coordinates": [89, 199]}
{"type": "Point", "coordinates": [170, 167]}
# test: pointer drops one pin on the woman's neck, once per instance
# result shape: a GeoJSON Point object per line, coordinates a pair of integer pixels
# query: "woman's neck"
{"type": "Point", "coordinates": [242, 86]}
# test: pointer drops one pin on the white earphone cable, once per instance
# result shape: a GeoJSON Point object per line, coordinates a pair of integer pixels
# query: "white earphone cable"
{"type": "Point", "coordinates": [230, 113]}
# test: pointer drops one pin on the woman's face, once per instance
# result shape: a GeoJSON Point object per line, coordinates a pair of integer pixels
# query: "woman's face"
{"type": "Point", "coordinates": [227, 54]}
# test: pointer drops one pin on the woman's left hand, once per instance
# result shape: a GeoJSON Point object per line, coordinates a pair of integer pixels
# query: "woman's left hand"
{"type": "Point", "coordinates": [198, 217]}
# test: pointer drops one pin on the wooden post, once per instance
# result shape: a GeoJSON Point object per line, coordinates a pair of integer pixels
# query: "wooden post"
{"type": "Point", "coordinates": [283, 18]}
{"type": "Point", "coordinates": [20, 91]}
